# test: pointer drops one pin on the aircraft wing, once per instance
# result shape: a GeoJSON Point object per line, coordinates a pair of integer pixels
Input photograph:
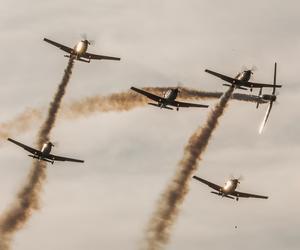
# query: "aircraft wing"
{"type": "Point", "coordinates": [58, 45]}
{"type": "Point", "coordinates": [99, 57]}
{"type": "Point", "coordinates": [27, 148]}
{"type": "Point", "coordinates": [149, 95]}
{"type": "Point", "coordinates": [210, 184]}
{"type": "Point", "coordinates": [187, 104]}
{"type": "Point", "coordinates": [246, 195]}
{"type": "Point", "coordinates": [262, 85]}
{"type": "Point", "coordinates": [223, 77]}
{"type": "Point", "coordinates": [61, 158]}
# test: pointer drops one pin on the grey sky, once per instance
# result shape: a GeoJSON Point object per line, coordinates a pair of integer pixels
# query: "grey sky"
{"type": "Point", "coordinates": [131, 156]}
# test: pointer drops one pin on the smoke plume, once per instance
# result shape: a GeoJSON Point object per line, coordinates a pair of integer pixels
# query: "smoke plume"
{"type": "Point", "coordinates": [27, 200]}
{"type": "Point", "coordinates": [118, 102]}
{"type": "Point", "coordinates": [21, 123]}
{"type": "Point", "coordinates": [168, 206]}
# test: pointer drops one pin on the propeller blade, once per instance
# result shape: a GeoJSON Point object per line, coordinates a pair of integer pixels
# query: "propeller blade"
{"type": "Point", "coordinates": [83, 36]}
{"type": "Point", "coordinates": [261, 128]}
{"type": "Point", "coordinates": [253, 68]}
{"type": "Point", "coordinates": [91, 42]}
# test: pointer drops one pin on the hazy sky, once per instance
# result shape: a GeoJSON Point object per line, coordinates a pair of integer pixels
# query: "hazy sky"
{"type": "Point", "coordinates": [131, 156]}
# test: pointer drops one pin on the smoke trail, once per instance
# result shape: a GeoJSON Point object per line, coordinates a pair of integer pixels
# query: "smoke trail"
{"type": "Point", "coordinates": [128, 100]}
{"type": "Point", "coordinates": [168, 206]}
{"type": "Point", "coordinates": [20, 123]}
{"type": "Point", "coordinates": [117, 102]}
{"type": "Point", "coordinates": [27, 199]}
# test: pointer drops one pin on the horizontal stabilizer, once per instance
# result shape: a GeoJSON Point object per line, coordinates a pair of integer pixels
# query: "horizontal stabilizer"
{"type": "Point", "coordinates": [227, 196]}
{"type": "Point", "coordinates": [236, 86]}
{"type": "Point", "coordinates": [227, 85]}
{"type": "Point", "coordinates": [33, 156]}
{"type": "Point", "coordinates": [82, 60]}
{"type": "Point", "coordinates": [157, 105]}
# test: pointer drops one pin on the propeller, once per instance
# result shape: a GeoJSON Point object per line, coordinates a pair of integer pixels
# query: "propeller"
{"type": "Point", "coordinates": [84, 37]}
{"type": "Point", "coordinates": [54, 143]}
{"type": "Point", "coordinates": [238, 179]}
{"type": "Point", "coordinates": [252, 69]}
{"type": "Point", "coordinates": [179, 86]}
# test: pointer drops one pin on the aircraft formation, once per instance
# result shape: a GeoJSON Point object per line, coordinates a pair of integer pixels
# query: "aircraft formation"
{"type": "Point", "coordinates": [168, 100]}
{"type": "Point", "coordinates": [240, 81]}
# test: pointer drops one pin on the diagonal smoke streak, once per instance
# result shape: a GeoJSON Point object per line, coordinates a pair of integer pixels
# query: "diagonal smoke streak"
{"type": "Point", "coordinates": [168, 206]}
{"type": "Point", "coordinates": [27, 200]}
{"type": "Point", "coordinates": [117, 102]}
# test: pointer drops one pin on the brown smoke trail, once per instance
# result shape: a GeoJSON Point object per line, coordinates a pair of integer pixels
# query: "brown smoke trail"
{"type": "Point", "coordinates": [21, 123]}
{"type": "Point", "coordinates": [117, 102]}
{"type": "Point", "coordinates": [128, 100]}
{"type": "Point", "coordinates": [27, 199]}
{"type": "Point", "coordinates": [168, 206]}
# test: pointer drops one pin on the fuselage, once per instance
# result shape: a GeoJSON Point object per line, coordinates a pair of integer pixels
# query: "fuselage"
{"type": "Point", "coordinates": [244, 76]}
{"type": "Point", "coordinates": [230, 186]}
{"type": "Point", "coordinates": [46, 149]}
{"type": "Point", "coordinates": [171, 94]}
{"type": "Point", "coordinates": [81, 48]}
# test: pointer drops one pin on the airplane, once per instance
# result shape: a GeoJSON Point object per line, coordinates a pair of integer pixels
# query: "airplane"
{"type": "Point", "coordinates": [270, 99]}
{"type": "Point", "coordinates": [169, 99]}
{"type": "Point", "coordinates": [44, 153]}
{"type": "Point", "coordinates": [229, 190]}
{"type": "Point", "coordinates": [241, 81]}
{"type": "Point", "coordinates": [79, 52]}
